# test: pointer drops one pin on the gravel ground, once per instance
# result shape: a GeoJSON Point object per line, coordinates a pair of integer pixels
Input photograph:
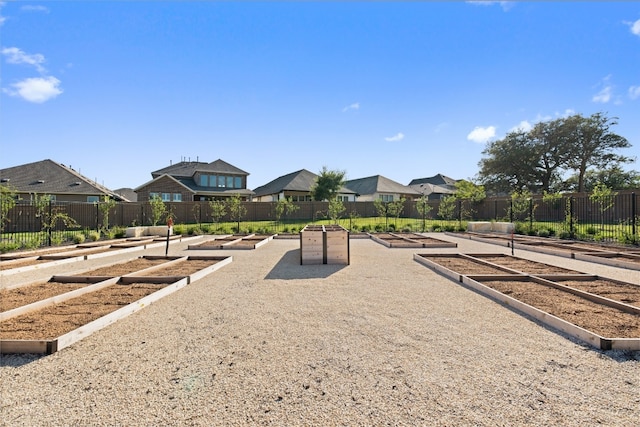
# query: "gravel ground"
{"type": "Point", "coordinates": [266, 341]}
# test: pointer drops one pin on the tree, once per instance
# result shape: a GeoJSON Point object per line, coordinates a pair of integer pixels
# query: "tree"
{"type": "Point", "coordinates": [7, 202]}
{"type": "Point", "coordinates": [49, 215]}
{"type": "Point", "coordinates": [158, 209]}
{"type": "Point", "coordinates": [594, 144]}
{"type": "Point", "coordinates": [327, 184]}
{"type": "Point", "coordinates": [423, 207]}
{"type": "Point", "coordinates": [336, 207]}
{"type": "Point", "coordinates": [218, 210]}
{"type": "Point", "coordinates": [613, 177]}
{"type": "Point", "coordinates": [395, 208]}
{"type": "Point", "coordinates": [105, 207]}
{"type": "Point", "coordinates": [285, 207]}
{"type": "Point", "coordinates": [447, 207]}
{"type": "Point", "coordinates": [603, 196]}
{"type": "Point", "coordinates": [471, 193]}
{"type": "Point", "coordinates": [237, 210]}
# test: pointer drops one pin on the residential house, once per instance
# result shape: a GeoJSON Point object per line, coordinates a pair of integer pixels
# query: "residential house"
{"type": "Point", "coordinates": [60, 182]}
{"type": "Point", "coordinates": [295, 186]}
{"type": "Point", "coordinates": [196, 181]}
{"type": "Point", "coordinates": [378, 187]}
{"type": "Point", "coordinates": [435, 187]}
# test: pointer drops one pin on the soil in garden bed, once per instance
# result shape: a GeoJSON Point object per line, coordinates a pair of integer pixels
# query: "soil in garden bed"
{"type": "Point", "coordinates": [59, 319]}
{"type": "Point", "coordinates": [603, 320]}
{"type": "Point", "coordinates": [17, 297]}
{"type": "Point", "coordinates": [124, 268]}
{"type": "Point", "coordinates": [622, 292]}
{"type": "Point", "coordinates": [463, 265]}
{"type": "Point", "coordinates": [523, 265]}
{"type": "Point", "coordinates": [182, 268]}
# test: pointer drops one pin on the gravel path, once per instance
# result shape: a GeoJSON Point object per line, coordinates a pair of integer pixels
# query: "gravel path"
{"type": "Point", "coordinates": [383, 341]}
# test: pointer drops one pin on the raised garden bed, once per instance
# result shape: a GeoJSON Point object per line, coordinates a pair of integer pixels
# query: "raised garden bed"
{"type": "Point", "coordinates": [410, 240]}
{"type": "Point", "coordinates": [324, 244]}
{"type": "Point", "coordinates": [61, 318]}
{"type": "Point", "coordinates": [603, 312]}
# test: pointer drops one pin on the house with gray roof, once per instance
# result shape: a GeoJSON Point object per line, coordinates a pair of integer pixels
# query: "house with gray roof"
{"type": "Point", "coordinates": [60, 182]}
{"type": "Point", "coordinates": [196, 181]}
{"type": "Point", "coordinates": [435, 187]}
{"type": "Point", "coordinates": [379, 187]}
{"type": "Point", "coordinates": [295, 186]}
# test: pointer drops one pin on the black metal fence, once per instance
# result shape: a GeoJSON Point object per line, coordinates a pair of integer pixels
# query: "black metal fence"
{"type": "Point", "coordinates": [615, 218]}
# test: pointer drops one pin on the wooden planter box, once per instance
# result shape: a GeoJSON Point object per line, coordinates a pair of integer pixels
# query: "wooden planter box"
{"type": "Point", "coordinates": [320, 244]}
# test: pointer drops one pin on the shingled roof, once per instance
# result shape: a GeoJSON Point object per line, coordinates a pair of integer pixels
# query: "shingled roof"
{"type": "Point", "coordinates": [186, 169]}
{"type": "Point", "coordinates": [378, 184]}
{"type": "Point", "coordinates": [49, 177]}
{"type": "Point", "coordinates": [301, 180]}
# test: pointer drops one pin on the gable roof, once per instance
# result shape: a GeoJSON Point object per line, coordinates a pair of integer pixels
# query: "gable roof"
{"type": "Point", "coordinates": [378, 184]}
{"type": "Point", "coordinates": [49, 177]}
{"type": "Point", "coordinates": [186, 169]}
{"type": "Point", "coordinates": [301, 180]}
{"type": "Point", "coordinates": [438, 179]}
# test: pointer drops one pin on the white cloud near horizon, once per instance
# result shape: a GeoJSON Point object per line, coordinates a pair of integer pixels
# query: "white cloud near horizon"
{"type": "Point", "coordinates": [482, 135]}
{"type": "Point", "coordinates": [398, 137]}
{"type": "Point", "coordinates": [354, 106]}
{"type": "Point", "coordinates": [506, 5]}
{"type": "Point", "coordinates": [36, 89]}
{"type": "Point", "coordinates": [634, 92]}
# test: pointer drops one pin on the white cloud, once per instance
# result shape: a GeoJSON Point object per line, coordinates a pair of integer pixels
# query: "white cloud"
{"type": "Point", "coordinates": [2, 18]}
{"type": "Point", "coordinates": [354, 106]}
{"type": "Point", "coordinates": [482, 135]}
{"type": "Point", "coordinates": [506, 5]}
{"type": "Point", "coordinates": [17, 56]}
{"type": "Point", "coordinates": [30, 8]}
{"type": "Point", "coordinates": [634, 27]}
{"type": "Point", "coordinates": [523, 126]}
{"type": "Point", "coordinates": [441, 127]}
{"type": "Point", "coordinates": [606, 93]}
{"type": "Point", "coordinates": [36, 89]}
{"type": "Point", "coordinates": [634, 92]}
{"type": "Point", "coordinates": [398, 137]}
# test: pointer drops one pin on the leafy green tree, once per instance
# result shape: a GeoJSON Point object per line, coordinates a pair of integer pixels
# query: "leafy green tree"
{"type": "Point", "coordinates": [218, 210]}
{"type": "Point", "coordinates": [603, 196]}
{"type": "Point", "coordinates": [7, 202]}
{"type": "Point", "coordinates": [447, 207]}
{"type": "Point", "coordinates": [105, 207]}
{"type": "Point", "coordinates": [327, 184]}
{"type": "Point", "coordinates": [237, 210]}
{"type": "Point", "coordinates": [395, 209]}
{"type": "Point", "coordinates": [594, 145]}
{"type": "Point", "coordinates": [613, 177]}
{"type": "Point", "coordinates": [423, 207]}
{"type": "Point", "coordinates": [50, 215]}
{"type": "Point", "coordinates": [336, 208]}
{"type": "Point", "coordinates": [473, 194]}
{"type": "Point", "coordinates": [158, 209]}
{"type": "Point", "coordinates": [285, 207]}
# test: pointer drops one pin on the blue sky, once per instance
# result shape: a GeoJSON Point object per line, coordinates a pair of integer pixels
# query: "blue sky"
{"type": "Point", "coordinates": [401, 89]}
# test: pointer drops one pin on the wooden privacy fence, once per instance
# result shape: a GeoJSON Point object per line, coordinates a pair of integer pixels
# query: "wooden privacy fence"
{"type": "Point", "coordinates": [574, 213]}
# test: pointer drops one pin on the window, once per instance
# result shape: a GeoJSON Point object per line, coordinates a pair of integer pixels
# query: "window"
{"type": "Point", "coordinates": [177, 197]}
{"type": "Point", "coordinates": [238, 182]}
{"type": "Point", "coordinates": [343, 198]}
{"type": "Point", "coordinates": [204, 180]}
{"type": "Point", "coordinates": [386, 197]}
{"type": "Point", "coordinates": [166, 197]}
{"type": "Point", "coordinates": [230, 181]}
{"type": "Point", "coordinates": [93, 199]}
{"type": "Point", "coordinates": [221, 181]}
{"type": "Point", "coordinates": [153, 195]}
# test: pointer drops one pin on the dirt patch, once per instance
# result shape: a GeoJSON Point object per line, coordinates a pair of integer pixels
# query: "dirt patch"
{"type": "Point", "coordinates": [182, 268]}
{"type": "Point", "coordinates": [605, 321]}
{"type": "Point", "coordinates": [124, 268]}
{"type": "Point", "coordinates": [467, 266]}
{"type": "Point", "coordinates": [17, 297]}
{"type": "Point", "coordinates": [524, 265]}
{"type": "Point", "coordinates": [623, 292]}
{"type": "Point", "coordinates": [56, 320]}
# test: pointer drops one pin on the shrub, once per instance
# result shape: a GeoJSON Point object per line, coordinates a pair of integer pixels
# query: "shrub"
{"type": "Point", "coordinates": [365, 228]}
{"type": "Point", "coordinates": [436, 227]}
{"type": "Point", "coordinates": [119, 232]}
{"type": "Point", "coordinates": [379, 227]}
{"type": "Point", "coordinates": [78, 238]}
{"type": "Point", "coordinates": [564, 234]}
{"type": "Point", "coordinates": [8, 247]}
{"type": "Point", "coordinates": [449, 228]}
{"type": "Point", "coordinates": [93, 236]}
{"type": "Point", "coordinates": [543, 233]}
{"type": "Point", "coordinates": [406, 229]}
{"type": "Point", "coordinates": [591, 230]}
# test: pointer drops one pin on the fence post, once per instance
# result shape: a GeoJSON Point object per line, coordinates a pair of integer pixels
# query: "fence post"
{"type": "Point", "coordinates": [50, 225]}
{"type": "Point", "coordinates": [572, 233]}
{"type": "Point", "coordinates": [633, 214]}
{"type": "Point", "coordinates": [530, 214]}
{"type": "Point", "coordinates": [97, 216]}
{"type": "Point", "coordinates": [511, 210]}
